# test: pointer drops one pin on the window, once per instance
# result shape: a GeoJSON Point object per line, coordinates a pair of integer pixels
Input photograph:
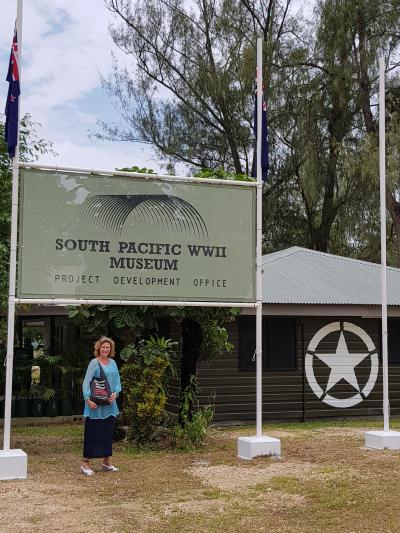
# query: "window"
{"type": "Point", "coordinates": [247, 343]}
{"type": "Point", "coordinates": [279, 344]}
{"type": "Point", "coordinates": [394, 341]}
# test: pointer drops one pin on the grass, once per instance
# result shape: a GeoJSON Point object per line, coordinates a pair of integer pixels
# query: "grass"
{"type": "Point", "coordinates": [326, 481]}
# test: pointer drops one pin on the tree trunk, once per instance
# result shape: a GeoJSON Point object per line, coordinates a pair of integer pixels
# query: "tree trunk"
{"type": "Point", "coordinates": [393, 206]}
{"type": "Point", "coordinates": [364, 81]}
{"type": "Point", "coordinates": [192, 336]}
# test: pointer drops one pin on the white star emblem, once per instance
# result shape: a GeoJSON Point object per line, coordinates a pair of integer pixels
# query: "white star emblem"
{"type": "Point", "coordinates": [342, 364]}
{"type": "Point", "coordinates": [12, 98]}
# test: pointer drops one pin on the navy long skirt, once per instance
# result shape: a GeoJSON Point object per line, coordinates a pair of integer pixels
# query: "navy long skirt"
{"type": "Point", "coordinates": [98, 437]}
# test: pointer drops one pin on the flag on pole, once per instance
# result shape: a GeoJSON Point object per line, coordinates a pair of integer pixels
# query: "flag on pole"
{"type": "Point", "coordinates": [11, 112]}
{"type": "Point", "coordinates": [264, 140]}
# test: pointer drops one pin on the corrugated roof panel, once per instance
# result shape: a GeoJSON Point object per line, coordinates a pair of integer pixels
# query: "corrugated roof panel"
{"type": "Point", "coordinates": [301, 276]}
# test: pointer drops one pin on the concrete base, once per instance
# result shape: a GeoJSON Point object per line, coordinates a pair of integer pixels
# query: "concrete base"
{"type": "Point", "coordinates": [250, 447]}
{"type": "Point", "coordinates": [13, 464]}
{"type": "Point", "coordinates": [381, 440]}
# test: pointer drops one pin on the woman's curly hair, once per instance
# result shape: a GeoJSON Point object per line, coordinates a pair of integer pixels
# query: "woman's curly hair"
{"type": "Point", "coordinates": [101, 341]}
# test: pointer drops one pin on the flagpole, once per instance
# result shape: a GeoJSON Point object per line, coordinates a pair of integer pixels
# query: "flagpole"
{"type": "Point", "coordinates": [257, 445]}
{"type": "Point", "coordinates": [382, 181]}
{"type": "Point", "coordinates": [259, 245]}
{"type": "Point", "coordinates": [13, 257]}
{"type": "Point", "coordinates": [379, 440]}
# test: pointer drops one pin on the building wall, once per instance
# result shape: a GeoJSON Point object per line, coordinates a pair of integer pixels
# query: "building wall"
{"type": "Point", "coordinates": [288, 394]}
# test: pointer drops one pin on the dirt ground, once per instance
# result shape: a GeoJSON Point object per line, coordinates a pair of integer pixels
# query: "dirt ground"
{"type": "Point", "coordinates": [325, 481]}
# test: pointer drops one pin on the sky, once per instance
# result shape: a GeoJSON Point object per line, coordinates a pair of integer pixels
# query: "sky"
{"type": "Point", "coordinates": [65, 47]}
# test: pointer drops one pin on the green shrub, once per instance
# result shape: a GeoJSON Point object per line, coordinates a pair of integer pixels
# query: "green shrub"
{"type": "Point", "coordinates": [193, 432]}
{"type": "Point", "coordinates": [194, 425]}
{"type": "Point", "coordinates": [144, 376]}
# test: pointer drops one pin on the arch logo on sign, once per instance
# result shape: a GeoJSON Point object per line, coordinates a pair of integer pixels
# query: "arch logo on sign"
{"type": "Point", "coordinates": [341, 364]}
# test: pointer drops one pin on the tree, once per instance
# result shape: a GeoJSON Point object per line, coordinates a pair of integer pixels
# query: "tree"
{"type": "Point", "coordinates": [329, 179]}
{"type": "Point", "coordinates": [190, 96]}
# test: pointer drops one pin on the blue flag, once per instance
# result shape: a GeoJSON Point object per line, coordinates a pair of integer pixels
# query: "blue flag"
{"type": "Point", "coordinates": [264, 142]}
{"type": "Point", "coordinates": [11, 126]}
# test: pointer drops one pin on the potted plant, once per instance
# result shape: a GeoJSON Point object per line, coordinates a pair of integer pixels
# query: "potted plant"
{"type": "Point", "coordinates": [22, 405]}
{"type": "Point", "coordinates": [37, 402]}
{"type": "Point", "coordinates": [46, 390]}
{"type": "Point", "coordinates": [22, 380]}
{"type": "Point", "coordinates": [66, 404]}
{"type": "Point", "coordinates": [72, 372]}
{"type": "Point", "coordinates": [78, 403]}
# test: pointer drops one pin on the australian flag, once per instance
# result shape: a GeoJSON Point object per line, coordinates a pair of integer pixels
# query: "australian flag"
{"type": "Point", "coordinates": [264, 141]}
{"type": "Point", "coordinates": [11, 126]}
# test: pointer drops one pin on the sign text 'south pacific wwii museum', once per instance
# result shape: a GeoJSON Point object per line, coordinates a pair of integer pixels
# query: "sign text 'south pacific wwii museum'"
{"type": "Point", "coordinates": [91, 236]}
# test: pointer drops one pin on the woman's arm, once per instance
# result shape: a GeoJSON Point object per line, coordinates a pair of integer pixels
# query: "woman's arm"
{"type": "Point", "coordinates": [116, 382]}
{"type": "Point", "coordinates": [118, 387]}
{"type": "Point", "coordinates": [88, 378]}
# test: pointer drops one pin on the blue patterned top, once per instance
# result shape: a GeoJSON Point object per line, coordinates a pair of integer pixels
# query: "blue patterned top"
{"type": "Point", "coordinates": [112, 375]}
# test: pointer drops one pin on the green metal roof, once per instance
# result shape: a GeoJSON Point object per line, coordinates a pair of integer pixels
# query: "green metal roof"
{"type": "Point", "coordinates": [300, 276]}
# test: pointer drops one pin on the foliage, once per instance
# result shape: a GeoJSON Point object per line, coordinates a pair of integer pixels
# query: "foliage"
{"type": "Point", "coordinates": [324, 194]}
{"type": "Point", "coordinates": [212, 321]}
{"type": "Point", "coordinates": [194, 425]}
{"type": "Point", "coordinates": [22, 369]}
{"type": "Point", "coordinates": [147, 366]}
{"type": "Point", "coordinates": [3, 336]}
{"type": "Point", "coordinates": [193, 432]}
{"type": "Point", "coordinates": [134, 322]}
{"type": "Point", "coordinates": [215, 340]}
{"type": "Point", "coordinates": [49, 376]}
{"type": "Point", "coordinates": [190, 96]}
{"type": "Point", "coordinates": [141, 170]}
{"type": "Point", "coordinates": [130, 322]}
{"type": "Point", "coordinates": [58, 376]}
{"type": "Point", "coordinates": [215, 336]}
{"type": "Point", "coordinates": [221, 174]}
{"type": "Point", "coordinates": [184, 96]}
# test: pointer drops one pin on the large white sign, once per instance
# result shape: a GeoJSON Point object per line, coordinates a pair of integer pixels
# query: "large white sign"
{"type": "Point", "coordinates": [342, 364]}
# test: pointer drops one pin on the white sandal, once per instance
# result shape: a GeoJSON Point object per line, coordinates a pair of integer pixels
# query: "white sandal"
{"type": "Point", "coordinates": [87, 471]}
{"type": "Point", "coordinates": [109, 468]}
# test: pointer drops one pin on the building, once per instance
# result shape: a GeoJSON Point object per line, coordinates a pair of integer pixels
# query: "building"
{"type": "Point", "coordinates": [321, 342]}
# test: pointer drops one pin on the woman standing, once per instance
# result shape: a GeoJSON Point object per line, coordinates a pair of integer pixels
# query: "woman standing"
{"type": "Point", "coordinates": [100, 419]}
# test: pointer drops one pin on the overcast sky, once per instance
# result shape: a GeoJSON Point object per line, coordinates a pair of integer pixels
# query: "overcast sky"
{"type": "Point", "coordinates": [65, 45]}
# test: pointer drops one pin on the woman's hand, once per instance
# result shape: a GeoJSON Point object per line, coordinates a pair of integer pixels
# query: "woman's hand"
{"type": "Point", "coordinates": [91, 404]}
{"type": "Point", "coordinates": [112, 397]}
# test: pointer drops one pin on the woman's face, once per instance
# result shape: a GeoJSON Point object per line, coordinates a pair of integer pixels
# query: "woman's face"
{"type": "Point", "coordinates": [105, 349]}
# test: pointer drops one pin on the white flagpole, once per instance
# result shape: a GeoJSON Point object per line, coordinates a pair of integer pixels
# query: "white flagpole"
{"type": "Point", "coordinates": [254, 446]}
{"type": "Point", "coordinates": [13, 257]}
{"type": "Point", "coordinates": [259, 245]}
{"type": "Point", "coordinates": [380, 440]}
{"type": "Point", "coordinates": [382, 181]}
